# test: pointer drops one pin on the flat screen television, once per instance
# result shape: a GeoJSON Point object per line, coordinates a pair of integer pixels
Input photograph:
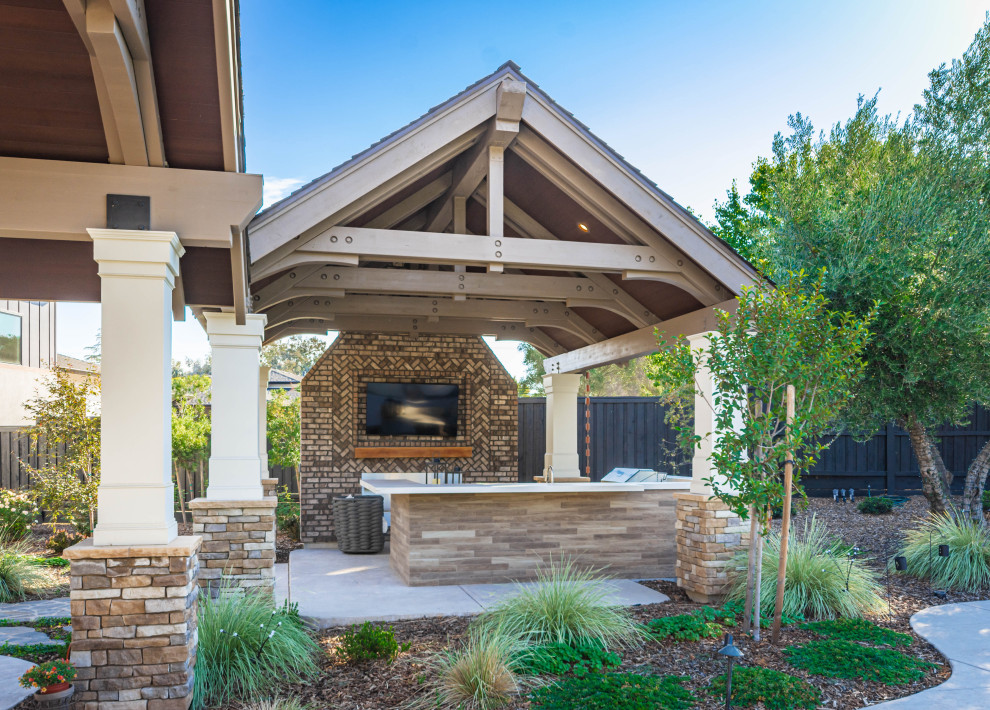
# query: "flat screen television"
{"type": "Point", "coordinates": [411, 409]}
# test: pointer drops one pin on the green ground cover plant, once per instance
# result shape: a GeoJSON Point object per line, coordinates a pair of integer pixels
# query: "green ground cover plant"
{"type": "Point", "coordinates": [49, 561]}
{"type": "Point", "coordinates": [858, 630]}
{"type": "Point", "coordinates": [968, 565]}
{"type": "Point", "coordinates": [838, 658]}
{"type": "Point", "coordinates": [370, 642]}
{"type": "Point", "coordinates": [820, 584]}
{"type": "Point", "coordinates": [775, 689]}
{"type": "Point", "coordinates": [703, 623]}
{"type": "Point", "coordinates": [558, 659]}
{"type": "Point", "coordinates": [477, 675]}
{"type": "Point", "coordinates": [568, 605]}
{"type": "Point", "coordinates": [246, 647]}
{"type": "Point", "coordinates": [736, 607]}
{"type": "Point", "coordinates": [877, 505]}
{"type": "Point", "coordinates": [615, 691]}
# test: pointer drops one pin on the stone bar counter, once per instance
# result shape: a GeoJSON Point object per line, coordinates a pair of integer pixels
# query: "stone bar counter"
{"type": "Point", "coordinates": [504, 532]}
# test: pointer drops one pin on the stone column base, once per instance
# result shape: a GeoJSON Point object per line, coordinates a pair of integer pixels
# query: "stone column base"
{"type": "Point", "coordinates": [134, 624]}
{"type": "Point", "coordinates": [708, 535]}
{"type": "Point", "coordinates": [270, 487]}
{"type": "Point", "coordinates": [238, 543]}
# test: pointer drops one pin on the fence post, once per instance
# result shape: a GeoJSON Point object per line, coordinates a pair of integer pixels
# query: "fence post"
{"type": "Point", "coordinates": [890, 439]}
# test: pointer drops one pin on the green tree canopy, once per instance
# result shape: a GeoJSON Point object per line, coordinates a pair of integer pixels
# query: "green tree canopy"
{"type": "Point", "coordinates": [896, 213]}
{"type": "Point", "coordinates": [294, 354]}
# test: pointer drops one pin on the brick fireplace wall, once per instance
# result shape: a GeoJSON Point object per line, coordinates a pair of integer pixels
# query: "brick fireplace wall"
{"type": "Point", "coordinates": [333, 415]}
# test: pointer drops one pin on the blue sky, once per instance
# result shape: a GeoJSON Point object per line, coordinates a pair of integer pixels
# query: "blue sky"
{"type": "Point", "coordinates": [689, 92]}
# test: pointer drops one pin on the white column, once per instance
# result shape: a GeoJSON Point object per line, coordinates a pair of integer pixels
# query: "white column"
{"type": "Point", "coordinates": [263, 374]}
{"type": "Point", "coordinates": [562, 424]}
{"type": "Point", "coordinates": [235, 465]}
{"type": "Point", "coordinates": [137, 274]}
{"type": "Point", "coordinates": [704, 422]}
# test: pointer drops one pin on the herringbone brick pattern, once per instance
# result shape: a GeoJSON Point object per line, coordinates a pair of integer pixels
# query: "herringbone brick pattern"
{"type": "Point", "coordinates": [333, 415]}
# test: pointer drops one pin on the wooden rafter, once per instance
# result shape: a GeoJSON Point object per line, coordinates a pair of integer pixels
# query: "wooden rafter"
{"type": "Point", "coordinates": [336, 281]}
{"type": "Point", "coordinates": [533, 313]}
{"type": "Point", "coordinates": [385, 324]}
{"type": "Point", "coordinates": [637, 343]}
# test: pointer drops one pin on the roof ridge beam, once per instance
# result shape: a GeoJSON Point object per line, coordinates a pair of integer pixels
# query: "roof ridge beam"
{"type": "Point", "coordinates": [472, 167]}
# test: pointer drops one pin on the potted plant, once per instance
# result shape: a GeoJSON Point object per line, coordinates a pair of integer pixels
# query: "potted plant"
{"type": "Point", "coordinates": [53, 680]}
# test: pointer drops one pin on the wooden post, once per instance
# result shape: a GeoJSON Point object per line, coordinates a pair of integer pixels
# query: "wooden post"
{"type": "Point", "coordinates": [785, 521]}
{"type": "Point", "coordinates": [182, 497]}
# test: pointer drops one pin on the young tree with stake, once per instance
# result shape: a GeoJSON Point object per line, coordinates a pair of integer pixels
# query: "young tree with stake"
{"type": "Point", "coordinates": [779, 336]}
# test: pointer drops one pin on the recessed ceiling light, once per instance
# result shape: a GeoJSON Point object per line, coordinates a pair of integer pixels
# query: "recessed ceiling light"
{"type": "Point", "coordinates": [583, 227]}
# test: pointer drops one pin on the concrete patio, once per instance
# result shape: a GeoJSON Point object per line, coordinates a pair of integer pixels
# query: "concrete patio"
{"type": "Point", "coordinates": [334, 589]}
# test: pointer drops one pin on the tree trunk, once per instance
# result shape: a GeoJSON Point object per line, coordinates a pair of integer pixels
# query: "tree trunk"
{"type": "Point", "coordinates": [754, 530]}
{"type": "Point", "coordinates": [945, 473]}
{"type": "Point", "coordinates": [932, 482]}
{"type": "Point", "coordinates": [976, 479]}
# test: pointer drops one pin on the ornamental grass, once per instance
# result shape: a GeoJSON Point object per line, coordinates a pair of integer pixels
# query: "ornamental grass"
{"type": "Point", "coordinates": [567, 605]}
{"type": "Point", "coordinates": [478, 675]}
{"type": "Point", "coordinates": [247, 647]}
{"type": "Point", "coordinates": [19, 576]}
{"type": "Point", "coordinates": [968, 565]}
{"type": "Point", "coordinates": [821, 582]}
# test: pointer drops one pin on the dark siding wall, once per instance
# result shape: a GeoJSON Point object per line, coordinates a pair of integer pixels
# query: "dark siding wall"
{"type": "Point", "coordinates": [37, 330]}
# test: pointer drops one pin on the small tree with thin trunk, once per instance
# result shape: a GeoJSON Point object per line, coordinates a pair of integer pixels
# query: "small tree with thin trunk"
{"type": "Point", "coordinates": [190, 428]}
{"type": "Point", "coordinates": [67, 420]}
{"type": "Point", "coordinates": [778, 337]}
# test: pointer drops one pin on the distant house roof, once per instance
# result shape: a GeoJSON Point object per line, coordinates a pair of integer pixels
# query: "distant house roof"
{"type": "Point", "coordinates": [76, 365]}
{"type": "Point", "coordinates": [280, 379]}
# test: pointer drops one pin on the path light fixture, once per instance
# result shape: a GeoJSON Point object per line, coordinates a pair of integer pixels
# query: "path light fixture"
{"type": "Point", "coordinates": [731, 653]}
{"type": "Point", "coordinates": [943, 551]}
{"type": "Point", "coordinates": [900, 563]}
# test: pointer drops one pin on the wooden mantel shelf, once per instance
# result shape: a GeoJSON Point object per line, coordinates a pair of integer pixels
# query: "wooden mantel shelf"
{"type": "Point", "coordinates": [413, 452]}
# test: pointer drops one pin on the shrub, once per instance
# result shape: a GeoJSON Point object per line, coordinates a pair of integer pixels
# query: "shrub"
{"type": "Point", "coordinates": [559, 658]}
{"type": "Point", "coordinates": [858, 630]}
{"type": "Point", "coordinates": [776, 690]}
{"type": "Point", "coordinates": [820, 584]}
{"type": "Point", "coordinates": [478, 675]}
{"type": "Point", "coordinates": [47, 674]}
{"type": "Point", "coordinates": [737, 607]}
{"type": "Point", "coordinates": [968, 565]}
{"type": "Point", "coordinates": [61, 539]}
{"type": "Point", "coordinates": [702, 623]}
{"type": "Point", "coordinates": [876, 506]}
{"type": "Point", "coordinates": [246, 646]}
{"type": "Point", "coordinates": [837, 658]}
{"type": "Point", "coordinates": [615, 691]}
{"type": "Point", "coordinates": [18, 576]}
{"type": "Point", "coordinates": [17, 513]}
{"type": "Point", "coordinates": [370, 642]}
{"type": "Point", "coordinates": [568, 606]}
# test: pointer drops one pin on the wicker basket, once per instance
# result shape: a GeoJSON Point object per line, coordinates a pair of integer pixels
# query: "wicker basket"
{"type": "Point", "coordinates": [357, 522]}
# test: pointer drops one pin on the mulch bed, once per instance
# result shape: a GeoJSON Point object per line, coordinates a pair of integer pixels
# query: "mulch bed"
{"type": "Point", "coordinates": [381, 686]}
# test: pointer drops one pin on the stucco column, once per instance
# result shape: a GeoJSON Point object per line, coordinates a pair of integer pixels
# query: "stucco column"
{"type": "Point", "coordinates": [137, 274]}
{"type": "Point", "coordinates": [562, 424]}
{"type": "Point", "coordinates": [235, 465]}
{"type": "Point", "coordinates": [704, 423]}
{"type": "Point", "coordinates": [263, 374]}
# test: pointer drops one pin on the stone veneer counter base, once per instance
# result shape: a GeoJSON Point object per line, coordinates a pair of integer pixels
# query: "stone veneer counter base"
{"type": "Point", "coordinates": [466, 535]}
{"type": "Point", "coordinates": [134, 624]}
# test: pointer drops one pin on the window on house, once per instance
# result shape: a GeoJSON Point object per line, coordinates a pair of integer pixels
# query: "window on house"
{"type": "Point", "coordinates": [10, 338]}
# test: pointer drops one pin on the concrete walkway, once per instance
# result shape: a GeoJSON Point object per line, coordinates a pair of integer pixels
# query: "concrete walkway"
{"type": "Point", "coordinates": [335, 589]}
{"type": "Point", "coordinates": [962, 633]}
{"type": "Point", "coordinates": [11, 693]}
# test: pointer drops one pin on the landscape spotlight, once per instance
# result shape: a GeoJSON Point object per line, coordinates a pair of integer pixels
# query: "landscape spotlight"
{"type": "Point", "coordinates": [943, 550]}
{"type": "Point", "coordinates": [900, 563]}
{"type": "Point", "coordinates": [731, 653]}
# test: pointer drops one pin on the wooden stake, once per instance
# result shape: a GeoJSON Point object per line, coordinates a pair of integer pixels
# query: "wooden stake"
{"type": "Point", "coordinates": [751, 571]}
{"type": "Point", "coordinates": [182, 497]}
{"type": "Point", "coordinates": [785, 522]}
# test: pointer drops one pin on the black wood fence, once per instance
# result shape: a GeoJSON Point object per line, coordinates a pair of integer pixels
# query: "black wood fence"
{"type": "Point", "coordinates": [631, 432]}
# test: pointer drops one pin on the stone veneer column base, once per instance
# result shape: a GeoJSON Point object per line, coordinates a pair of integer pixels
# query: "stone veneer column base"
{"type": "Point", "coordinates": [708, 535]}
{"type": "Point", "coordinates": [238, 542]}
{"type": "Point", "coordinates": [270, 487]}
{"type": "Point", "coordinates": [134, 624]}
